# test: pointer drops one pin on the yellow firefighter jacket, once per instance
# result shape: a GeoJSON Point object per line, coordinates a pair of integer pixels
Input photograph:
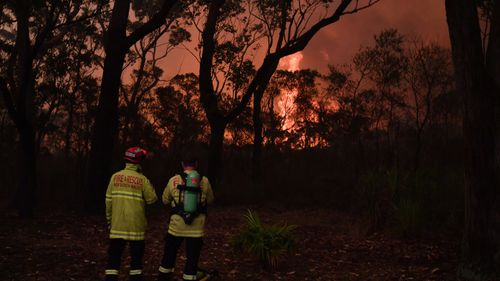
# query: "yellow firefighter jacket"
{"type": "Point", "coordinates": [128, 192]}
{"type": "Point", "coordinates": [177, 227]}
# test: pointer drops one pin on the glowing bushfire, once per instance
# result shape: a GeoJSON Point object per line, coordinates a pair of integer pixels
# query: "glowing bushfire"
{"type": "Point", "coordinates": [291, 62]}
{"type": "Point", "coordinates": [286, 100]}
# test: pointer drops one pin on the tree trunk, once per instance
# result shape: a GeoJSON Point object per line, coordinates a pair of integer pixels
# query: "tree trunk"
{"type": "Point", "coordinates": [105, 131]}
{"type": "Point", "coordinates": [271, 63]}
{"type": "Point", "coordinates": [23, 112]}
{"type": "Point", "coordinates": [116, 45]}
{"type": "Point", "coordinates": [69, 127]}
{"type": "Point", "coordinates": [418, 149]}
{"type": "Point", "coordinates": [208, 95]}
{"type": "Point", "coordinates": [257, 140]}
{"type": "Point", "coordinates": [28, 181]}
{"type": "Point", "coordinates": [480, 97]}
{"type": "Point", "coordinates": [106, 119]}
{"type": "Point", "coordinates": [217, 129]}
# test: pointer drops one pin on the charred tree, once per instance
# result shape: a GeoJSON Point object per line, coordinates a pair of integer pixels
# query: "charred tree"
{"type": "Point", "coordinates": [477, 79]}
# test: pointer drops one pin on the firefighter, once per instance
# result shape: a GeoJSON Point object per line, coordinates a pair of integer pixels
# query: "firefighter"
{"type": "Point", "coordinates": [128, 192]}
{"type": "Point", "coordinates": [187, 221]}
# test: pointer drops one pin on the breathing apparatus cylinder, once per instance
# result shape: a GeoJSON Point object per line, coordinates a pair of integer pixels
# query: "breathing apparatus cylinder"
{"type": "Point", "coordinates": [191, 197]}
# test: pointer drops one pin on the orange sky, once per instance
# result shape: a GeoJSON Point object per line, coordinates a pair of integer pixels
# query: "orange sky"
{"type": "Point", "coordinates": [337, 43]}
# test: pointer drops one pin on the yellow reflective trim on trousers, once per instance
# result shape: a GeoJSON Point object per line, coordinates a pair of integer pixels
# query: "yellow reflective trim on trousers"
{"type": "Point", "coordinates": [165, 270]}
{"type": "Point", "coordinates": [188, 277]}
{"type": "Point", "coordinates": [126, 235]}
{"type": "Point", "coordinates": [127, 232]}
{"type": "Point", "coordinates": [111, 272]}
{"type": "Point", "coordinates": [130, 238]}
{"type": "Point", "coordinates": [187, 233]}
{"type": "Point", "coordinates": [135, 272]}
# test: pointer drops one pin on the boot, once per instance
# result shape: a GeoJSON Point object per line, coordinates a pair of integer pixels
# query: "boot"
{"type": "Point", "coordinates": [137, 277]}
{"type": "Point", "coordinates": [201, 275]}
{"type": "Point", "coordinates": [164, 276]}
{"type": "Point", "coordinates": [111, 277]}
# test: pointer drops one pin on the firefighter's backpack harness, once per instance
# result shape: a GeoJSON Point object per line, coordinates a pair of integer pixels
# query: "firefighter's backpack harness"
{"type": "Point", "coordinates": [189, 204]}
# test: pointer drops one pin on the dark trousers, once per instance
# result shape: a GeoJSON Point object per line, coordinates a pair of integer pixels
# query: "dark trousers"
{"type": "Point", "coordinates": [115, 251]}
{"type": "Point", "coordinates": [193, 250]}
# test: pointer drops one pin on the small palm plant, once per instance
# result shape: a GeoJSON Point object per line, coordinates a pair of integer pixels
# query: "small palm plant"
{"type": "Point", "coordinates": [269, 243]}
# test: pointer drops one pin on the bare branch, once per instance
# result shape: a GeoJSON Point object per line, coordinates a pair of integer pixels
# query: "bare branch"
{"type": "Point", "coordinates": [195, 56]}
{"type": "Point", "coordinates": [358, 8]}
{"type": "Point", "coordinates": [301, 42]}
{"type": "Point", "coordinates": [207, 92]}
{"type": "Point", "coordinates": [50, 22]}
{"type": "Point", "coordinates": [289, 35]}
{"type": "Point", "coordinates": [99, 11]}
{"type": "Point", "coordinates": [155, 22]}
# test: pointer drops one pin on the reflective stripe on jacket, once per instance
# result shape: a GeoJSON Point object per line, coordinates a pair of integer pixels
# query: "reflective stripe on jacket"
{"type": "Point", "coordinates": [170, 196]}
{"type": "Point", "coordinates": [128, 192]}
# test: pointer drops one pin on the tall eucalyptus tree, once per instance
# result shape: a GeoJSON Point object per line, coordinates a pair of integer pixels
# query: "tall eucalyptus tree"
{"type": "Point", "coordinates": [477, 77]}
{"type": "Point", "coordinates": [272, 29]}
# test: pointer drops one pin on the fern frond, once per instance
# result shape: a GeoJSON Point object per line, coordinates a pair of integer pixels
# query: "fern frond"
{"type": "Point", "coordinates": [267, 242]}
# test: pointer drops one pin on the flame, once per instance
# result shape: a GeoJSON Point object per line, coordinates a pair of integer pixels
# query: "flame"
{"type": "Point", "coordinates": [291, 62]}
{"type": "Point", "coordinates": [287, 97]}
{"type": "Point", "coordinates": [286, 107]}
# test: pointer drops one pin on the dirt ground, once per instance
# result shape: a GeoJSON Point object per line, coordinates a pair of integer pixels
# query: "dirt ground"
{"type": "Point", "coordinates": [330, 246]}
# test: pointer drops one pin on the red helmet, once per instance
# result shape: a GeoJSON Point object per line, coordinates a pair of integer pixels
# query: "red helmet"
{"type": "Point", "coordinates": [135, 155]}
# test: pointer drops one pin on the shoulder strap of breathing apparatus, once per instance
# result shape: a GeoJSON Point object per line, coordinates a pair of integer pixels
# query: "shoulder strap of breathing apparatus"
{"type": "Point", "coordinates": [178, 207]}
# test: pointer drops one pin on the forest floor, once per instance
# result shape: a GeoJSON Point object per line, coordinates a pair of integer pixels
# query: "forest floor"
{"type": "Point", "coordinates": [330, 246]}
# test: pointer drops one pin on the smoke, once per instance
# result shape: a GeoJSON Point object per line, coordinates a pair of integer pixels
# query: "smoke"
{"type": "Point", "coordinates": [337, 43]}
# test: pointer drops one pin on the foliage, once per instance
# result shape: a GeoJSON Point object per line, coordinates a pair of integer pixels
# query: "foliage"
{"type": "Point", "coordinates": [376, 192]}
{"type": "Point", "coordinates": [177, 112]}
{"type": "Point", "coordinates": [63, 94]}
{"type": "Point", "coordinates": [269, 243]}
{"type": "Point", "coordinates": [410, 203]}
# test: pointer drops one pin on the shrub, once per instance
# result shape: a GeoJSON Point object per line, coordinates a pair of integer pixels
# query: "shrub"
{"type": "Point", "coordinates": [269, 243]}
{"type": "Point", "coordinates": [376, 194]}
{"type": "Point", "coordinates": [410, 202]}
